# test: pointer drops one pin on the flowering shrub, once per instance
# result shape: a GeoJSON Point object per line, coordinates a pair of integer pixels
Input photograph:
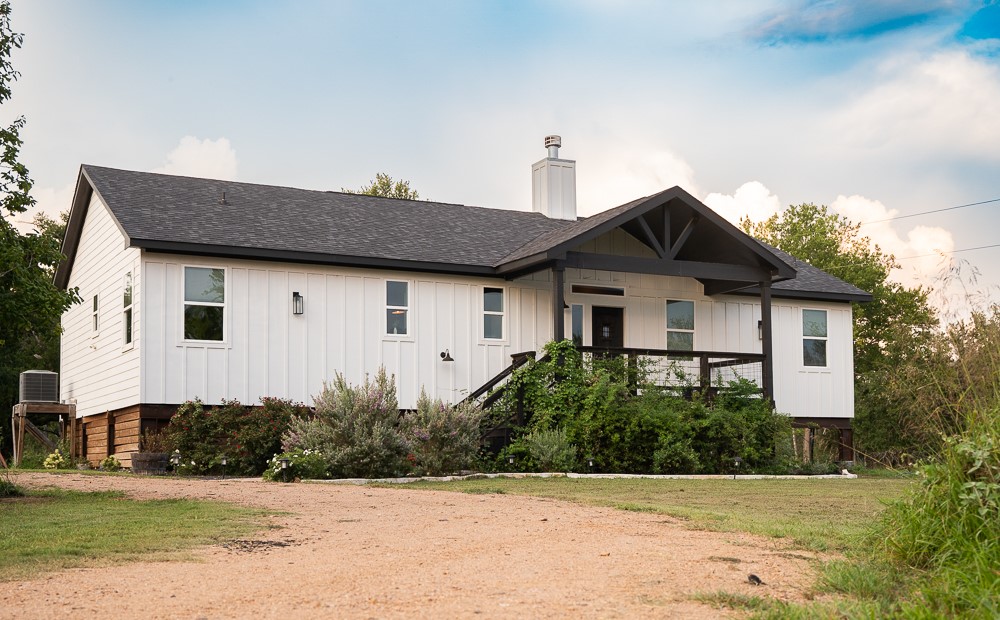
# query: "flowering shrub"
{"type": "Point", "coordinates": [551, 450]}
{"type": "Point", "coordinates": [56, 460]}
{"type": "Point", "coordinates": [355, 428]}
{"type": "Point", "coordinates": [247, 436]}
{"type": "Point", "coordinates": [110, 464]}
{"type": "Point", "coordinates": [443, 439]}
{"type": "Point", "coordinates": [302, 465]}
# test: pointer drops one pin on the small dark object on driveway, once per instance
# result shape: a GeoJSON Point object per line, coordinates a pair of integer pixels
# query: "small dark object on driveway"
{"type": "Point", "coordinates": [755, 580]}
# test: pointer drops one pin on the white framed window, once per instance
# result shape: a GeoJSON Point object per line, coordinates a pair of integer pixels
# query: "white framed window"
{"type": "Point", "coordinates": [127, 311]}
{"type": "Point", "coordinates": [680, 325]}
{"type": "Point", "coordinates": [493, 313]}
{"type": "Point", "coordinates": [814, 338]}
{"type": "Point", "coordinates": [204, 304]}
{"type": "Point", "coordinates": [576, 321]}
{"type": "Point", "coordinates": [95, 318]}
{"type": "Point", "coordinates": [397, 307]}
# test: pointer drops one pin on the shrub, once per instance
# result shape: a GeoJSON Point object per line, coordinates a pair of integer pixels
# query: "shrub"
{"type": "Point", "coordinates": [302, 465]}
{"type": "Point", "coordinates": [551, 450]}
{"type": "Point", "coordinates": [110, 464]}
{"type": "Point", "coordinates": [247, 436]}
{"type": "Point", "coordinates": [355, 428]}
{"type": "Point", "coordinates": [154, 441]}
{"type": "Point", "coordinates": [443, 438]}
{"type": "Point", "coordinates": [7, 486]}
{"type": "Point", "coordinates": [56, 460]}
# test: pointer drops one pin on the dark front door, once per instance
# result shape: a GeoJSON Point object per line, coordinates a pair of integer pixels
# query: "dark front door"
{"type": "Point", "coordinates": [609, 327]}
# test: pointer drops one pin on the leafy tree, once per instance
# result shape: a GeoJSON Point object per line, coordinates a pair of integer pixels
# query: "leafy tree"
{"type": "Point", "coordinates": [891, 331]}
{"type": "Point", "coordinates": [386, 187]}
{"type": "Point", "coordinates": [30, 304]}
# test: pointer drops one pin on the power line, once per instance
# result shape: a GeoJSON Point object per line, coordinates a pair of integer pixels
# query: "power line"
{"type": "Point", "coordinates": [981, 247]}
{"type": "Point", "coordinates": [900, 217]}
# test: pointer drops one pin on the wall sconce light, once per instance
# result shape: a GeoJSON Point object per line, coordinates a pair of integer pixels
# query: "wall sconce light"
{"type": "Point", "coordinates": [298, 303]}
{"type": "Point", "coordinates": [446, 356]}
{"type": "Point", "coordinates": [760, 329]}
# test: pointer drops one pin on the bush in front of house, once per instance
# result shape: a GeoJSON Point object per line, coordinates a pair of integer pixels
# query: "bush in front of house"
{"type": "Point", "coordinates": [443, 439]}
{"type": "Point", "coordinates": [355, 428]}
{"type": "Point", "coordinates": [551, 450]}
{"type": "Point", "coordinates": [246, 436]}
{"type": "Point", "coordinates": [300, 465]}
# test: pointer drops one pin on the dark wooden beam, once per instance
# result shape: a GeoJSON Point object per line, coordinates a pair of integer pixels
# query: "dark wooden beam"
{"type": "Point", "coordinates": [718, 287]}
{"type": "Point", "coordinates": [558, 301]}
{"type": "Point", "coordinates": [666, 267]}
{"type": "Point", "coordinates": [653, 242]}
{"type": "Point", "coordinates": [682, 239]}
{"type": "Point", "coordinates": [767, 347]}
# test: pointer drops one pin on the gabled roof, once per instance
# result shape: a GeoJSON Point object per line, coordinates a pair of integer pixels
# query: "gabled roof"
{"type": "Point", "coordinates": [187, 215]}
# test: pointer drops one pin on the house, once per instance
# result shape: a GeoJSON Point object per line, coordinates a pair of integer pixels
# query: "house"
{"type": "Point", "coordinates": [200, 288]}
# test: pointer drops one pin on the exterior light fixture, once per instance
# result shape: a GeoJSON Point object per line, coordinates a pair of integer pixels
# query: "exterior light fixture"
{"type": "Point", "coordinates": [590, 462]}
{"type": "Point", "coordinates": [510, 460]}
{"type": "Point", "coordinates": [298, 303]}
{"type": "Point", "coordinates": [737, 462]}
{"type": "Point", "coordinates": [760, 329]}
{"type": "Point", "coordinates": [284, 469]}
{"type": "Point", "coordinates": [175, 460]}
{"type": "Point", "coordinates": [446, 356]}
{"type": "Point", "coordinates": [223, 461]}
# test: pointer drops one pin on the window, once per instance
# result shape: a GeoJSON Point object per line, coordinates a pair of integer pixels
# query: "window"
{"type": "Point", "coordinates": [204, 303]}
{"type": "Point", "coordinates": [493, 313]}
{"type": "Point", "coordinates": [576, 315]}
{"type": "Point", "coordinates": [127, 310]}
{"type": "Point", "coordinates": [95, 323]}
{"type": "Point", "coordinates": [397, 307]}
{"type": "Point", "coordinates": [680, 325]}
{"type": "Point", "coordinates": [814, 336]}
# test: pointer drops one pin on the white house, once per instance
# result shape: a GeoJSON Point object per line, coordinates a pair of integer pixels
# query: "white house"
{"type": "Point", "coordinates": [199, 288]}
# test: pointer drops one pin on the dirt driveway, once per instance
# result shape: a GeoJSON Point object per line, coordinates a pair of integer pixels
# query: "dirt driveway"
{"type": "Point", "coordinates": [359, 552]}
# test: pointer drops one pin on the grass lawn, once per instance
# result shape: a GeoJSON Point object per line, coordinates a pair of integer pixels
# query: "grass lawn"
{"type": "Point", "coordinates": [52, 530]}
{"type": "Point", "coordinates": [822, 514]}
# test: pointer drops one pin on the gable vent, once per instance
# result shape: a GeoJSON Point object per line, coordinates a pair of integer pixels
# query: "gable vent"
{"type": "Point", "coordinates": [39, 386]}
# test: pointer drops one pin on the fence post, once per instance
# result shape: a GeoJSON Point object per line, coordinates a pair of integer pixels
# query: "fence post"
{"type": "Point", "coordinates": [706, 375]}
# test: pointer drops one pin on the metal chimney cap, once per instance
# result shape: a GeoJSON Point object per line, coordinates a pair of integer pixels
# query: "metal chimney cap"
{"type": "Point", "coordinates": [555, 141]}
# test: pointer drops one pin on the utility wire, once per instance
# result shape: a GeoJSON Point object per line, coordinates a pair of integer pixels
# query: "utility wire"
{"type": "Point", "coordinates": [900, 217]}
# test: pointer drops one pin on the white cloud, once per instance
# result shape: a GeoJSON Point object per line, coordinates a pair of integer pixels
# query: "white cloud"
{"type": "Point", "coordinates": [213, 159]}
{"type": "Point", "coordinates": [608, 177]}
{"type": "Point", "coordinates": [752, 199]}
{"type": "Point", "coordinates": [940, 107]}
{"type": "Point", "coordinates": [931, 245]}
{"type": "Point", "coordinates": [49, 201]}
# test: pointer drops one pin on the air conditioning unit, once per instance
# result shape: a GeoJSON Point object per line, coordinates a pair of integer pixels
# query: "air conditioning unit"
{"type": "Point", "coordinates": [39, 386]}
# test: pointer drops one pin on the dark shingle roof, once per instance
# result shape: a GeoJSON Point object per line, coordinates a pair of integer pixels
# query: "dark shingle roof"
{"type": "Point", "coordinates": [185, 214]}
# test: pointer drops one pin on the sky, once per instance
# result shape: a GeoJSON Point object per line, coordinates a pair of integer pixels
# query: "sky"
{"type": "Point", "coordinates": [877, 108]}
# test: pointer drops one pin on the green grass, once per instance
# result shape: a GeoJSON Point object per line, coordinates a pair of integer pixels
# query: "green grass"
{"type": "Point", "coordinates": [53, 529]}
{"type": "Point", "coordinates": [820, 515]}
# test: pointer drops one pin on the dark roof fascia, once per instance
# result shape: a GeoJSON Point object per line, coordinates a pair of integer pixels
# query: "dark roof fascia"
{"type": "Point", "coordinates": [290, 256]}
{"type": "Point", "coordinates": [784, 270]}
{"type": "Point", "coordinates": [813, 295]}
{"type": "Point", "coordinates": [80, 206]}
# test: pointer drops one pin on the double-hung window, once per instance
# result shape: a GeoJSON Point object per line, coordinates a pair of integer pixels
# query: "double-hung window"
{"type": "Point", "coordinates": [127, 310]}
{"type": "Point", "coordinates": [680, 325]}
{"type": "Point", "coordinates": [397, 307]}
{"type": "Point", "coordinates": [204, 303]}
{"type": "Point", "coordinates": [492, 313]}
{"type": "Point", "coordinates": [814, 337]}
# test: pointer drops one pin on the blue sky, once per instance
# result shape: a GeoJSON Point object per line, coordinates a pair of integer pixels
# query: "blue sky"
{"type": "Point", "coordinates": [877, 107]}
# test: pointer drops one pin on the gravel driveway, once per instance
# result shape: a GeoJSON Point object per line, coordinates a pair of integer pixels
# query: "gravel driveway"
{"type": "Point", "coordinates": [360, 552]}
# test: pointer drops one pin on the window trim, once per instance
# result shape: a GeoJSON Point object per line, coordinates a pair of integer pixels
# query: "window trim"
{"type": "Point", "coordinates": [223, 305]}
{"type": "Point", "coordinates": [128, 312]}
{"type": "Point", "coordinates": [826, 339]}
{"type": "Point", "coordinates": [409, 335]}
{"type": "Point", "coordinates": [502, 314]}
{"type": "Point", "coordinates": [95, 316]}
{"type": "Point", "coordinates": [692, 331]}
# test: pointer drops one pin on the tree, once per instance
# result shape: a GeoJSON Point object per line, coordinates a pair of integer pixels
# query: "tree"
{"type": "Point", "coordinates": [386, 187]}
{"type": "Point", "coordinates": [30, 303]}
{"type": "Point", "coordinates": [890, 331]}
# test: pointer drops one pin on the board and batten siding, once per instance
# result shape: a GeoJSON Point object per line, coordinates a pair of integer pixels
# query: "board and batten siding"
{"type": "Point", "coordinates": [269, 351]}
{"type": "Point", "coordinates": [98, 370]}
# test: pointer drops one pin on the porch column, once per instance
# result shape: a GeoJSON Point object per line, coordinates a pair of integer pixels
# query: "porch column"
{"type": "Point", "coordinates": [767, 349]}
{"type": "Point", "coordinates": [558, 301]}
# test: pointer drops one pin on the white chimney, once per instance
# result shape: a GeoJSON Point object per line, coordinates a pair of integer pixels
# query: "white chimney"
{"type": "Point", "coordinates": [553, 184]}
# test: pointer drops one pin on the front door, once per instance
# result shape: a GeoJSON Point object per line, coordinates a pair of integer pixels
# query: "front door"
{"type": "Point", "coordinates": [608, 327]}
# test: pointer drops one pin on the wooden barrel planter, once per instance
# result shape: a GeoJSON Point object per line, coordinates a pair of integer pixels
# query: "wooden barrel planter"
{"type": "Point", "coordinates": [150, 463]}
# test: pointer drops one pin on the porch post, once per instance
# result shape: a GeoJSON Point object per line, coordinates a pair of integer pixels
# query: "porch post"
{"type": "Point", "coordinates": [558, 318]}
{"type": "Point", "coordinates": [767, 349]}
